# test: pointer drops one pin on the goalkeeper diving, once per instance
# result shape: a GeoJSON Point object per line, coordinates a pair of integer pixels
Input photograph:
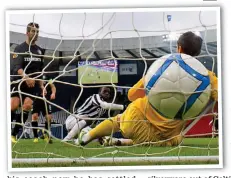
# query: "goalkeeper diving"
{"type": "Point", "coordinates": [140, 122]}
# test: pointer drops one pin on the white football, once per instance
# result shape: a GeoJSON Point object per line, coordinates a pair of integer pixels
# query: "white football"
{"type": "Point", "coordinates": [178, 86]}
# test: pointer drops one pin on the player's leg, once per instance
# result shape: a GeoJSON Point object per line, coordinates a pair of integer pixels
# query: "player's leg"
{"type": "Point", "coordinates": [34, 124]}
{"type": "Point", "coordinates": [47, 113]}
{"type": "Point", "coordinates": [216, 125]}
{"type": "Point", "coordinates": [15, 103]}
{"type": "Point", "coordinates": [69, 123]}
{"type": "Point", "coordinates": [35, 115]}
{"type": "Point", "coordinates": [27, 105]}
{"type": "Point", "coordinates": [135, 126]}
{"type": "Point", "coordinates": [105, 128]}
{"type": "Point", "coordinates": [47, 135]}
{"type": "Point", "coordinates": [112, 141]}
{"type": "Point", "coordinates": [132, 123]}
{"type": "Point", "coordinates": [74, 126]}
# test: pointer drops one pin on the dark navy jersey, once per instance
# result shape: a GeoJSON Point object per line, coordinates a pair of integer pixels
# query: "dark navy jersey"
{"type": "Point", "coordinates": [48, 89]}
{"type": "Point", "coordinates": [20, 61]}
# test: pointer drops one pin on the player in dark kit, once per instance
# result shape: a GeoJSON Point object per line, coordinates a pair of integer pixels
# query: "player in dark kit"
{"type": "Point", "coordinates": [40, 107]}
{"type": "Point", "coordinates": [24, 67]}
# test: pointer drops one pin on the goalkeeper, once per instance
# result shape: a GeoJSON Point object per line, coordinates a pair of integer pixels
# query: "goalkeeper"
{"type": "Point", "coordinates": [94, 107]}
{"type": "Point", "coordinates": [141, 123]}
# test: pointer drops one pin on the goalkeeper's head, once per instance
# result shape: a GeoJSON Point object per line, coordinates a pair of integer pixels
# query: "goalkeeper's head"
{"type": "Point", "coordinates": [189, 43]}
{"type": "Point", "coordinates": [104, 93]}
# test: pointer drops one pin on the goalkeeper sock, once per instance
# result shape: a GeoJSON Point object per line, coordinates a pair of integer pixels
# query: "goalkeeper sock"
{"type": "Point", "coordinates": [123, 142]}
{"type": "Point", "coordinates": [35, 124]}
{"type": "Point", "coordinates": [105, 128]}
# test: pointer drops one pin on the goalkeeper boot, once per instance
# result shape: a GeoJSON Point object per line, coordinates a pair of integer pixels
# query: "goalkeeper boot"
{"type": "Point", "coordinates": [13, 139]}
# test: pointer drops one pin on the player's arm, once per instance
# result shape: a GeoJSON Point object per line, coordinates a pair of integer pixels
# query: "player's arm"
{"type": "Point", "coordinates": [18, 67]}
{"type": "Point", "coordinates": [53, 91]}
{"type": "Point", "coordinates": [105, 105]}
{"type": "Point", "coordinates": [137, 91]}
{"type": "Point", "coordinates": [41, 82]}
{"type": "Point", "coordinates": [214, 85]}
{"type": "Point", "coordinates": [42, 87]}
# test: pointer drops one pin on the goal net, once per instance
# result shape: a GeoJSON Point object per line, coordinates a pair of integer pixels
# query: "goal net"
{"type": "Point", "coordinates": [86, 50]}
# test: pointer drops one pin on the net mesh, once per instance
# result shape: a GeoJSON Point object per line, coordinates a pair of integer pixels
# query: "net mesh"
{"type": "Point", "coordinates": [208, 148]}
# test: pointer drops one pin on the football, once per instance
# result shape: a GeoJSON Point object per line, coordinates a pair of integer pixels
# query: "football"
{"type": "Point", "coordinates": [177, 86]}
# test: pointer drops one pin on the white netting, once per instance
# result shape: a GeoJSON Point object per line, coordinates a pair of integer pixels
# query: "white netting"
{"type": "Point", "coordinates": [106, 34]}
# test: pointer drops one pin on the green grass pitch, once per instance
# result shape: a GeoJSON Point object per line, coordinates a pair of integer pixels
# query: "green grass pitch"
{"type": "Point", "coordinates": [25, 148]}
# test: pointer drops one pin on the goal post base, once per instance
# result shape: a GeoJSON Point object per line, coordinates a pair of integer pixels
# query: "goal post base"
{"type": "Point", "coordinates": [116, 160]}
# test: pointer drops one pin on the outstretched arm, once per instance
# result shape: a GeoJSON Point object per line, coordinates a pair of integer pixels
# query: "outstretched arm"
{"type": "Point", "coordinates": [106, 105]}
{"type": "Point", "coordinates": [137, 91]}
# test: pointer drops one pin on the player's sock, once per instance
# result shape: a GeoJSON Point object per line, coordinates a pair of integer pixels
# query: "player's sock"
{"type": "Point", "coordinates": [18, 119]}
{"type": "Point", "coordinates": [35, 125]}
{"type": "Point", "coordinates": [13, 118]}
{"type": "Point", "coordinates": [105, 128]}
{"type": "Point", "coordinates": [25, 116]}
{"type": "Point", "coordinates": [47, 125]}
{"type": "Point", "coordinates": [47, 135]}
{"type": "Point", "coordinates": [76, 129]}
{"type": "Point", "coordinates": [13, 115]}
{"type": "Point", "coordinates": [16, 128]}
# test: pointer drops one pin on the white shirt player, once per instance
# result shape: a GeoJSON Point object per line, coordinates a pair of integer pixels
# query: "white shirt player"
{"type": "Point", "coordinates": [94, 107]}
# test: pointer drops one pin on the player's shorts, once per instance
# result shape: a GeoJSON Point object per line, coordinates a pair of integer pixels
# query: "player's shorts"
{"type": "Point", "coordinates": [24, 88]}
{"type": "Point", "coordinates": [70, 122]}
{"type": "Point", "coordinates": [40, 106]}
{"type": "Point", "coordinates": [135, 126]}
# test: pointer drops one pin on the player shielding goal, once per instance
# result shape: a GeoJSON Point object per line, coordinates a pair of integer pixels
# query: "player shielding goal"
{"type": "Point", "coordinates": [94, 107]}
{"type": "Point", "coordinates": [140, 122]}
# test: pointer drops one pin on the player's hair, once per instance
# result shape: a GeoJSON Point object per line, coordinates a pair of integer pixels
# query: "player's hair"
{"type": "Point", "coordinates": [30, 25]}
{"type": "Point", "coordinates": [190, 43]}
{"type": "Point", "coordinates": [104, 87]}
